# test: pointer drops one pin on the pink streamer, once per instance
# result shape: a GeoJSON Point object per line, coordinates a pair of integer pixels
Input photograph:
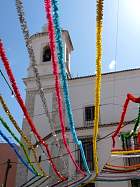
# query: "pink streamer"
{"type": "Point", "coordinates": [56, 76]}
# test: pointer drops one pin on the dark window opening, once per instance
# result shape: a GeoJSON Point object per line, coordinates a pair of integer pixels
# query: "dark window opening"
{"type": "Point", "coordinates": [88, 150]}
{"type": "Point", "coordinates": [39, 159]}
{"type": "Point", "coordinates": [89, 114]}
{"type": "Point", "coordinates": [135, 183]}
{"type": "Point", "coordinates": [46, 54]}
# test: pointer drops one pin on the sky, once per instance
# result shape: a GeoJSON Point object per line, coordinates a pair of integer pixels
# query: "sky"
{"type": "Point", "coordinates": [121, 38]}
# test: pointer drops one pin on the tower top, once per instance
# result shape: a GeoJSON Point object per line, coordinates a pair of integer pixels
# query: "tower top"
{"type": "Point", "coordinates": [40, 43]}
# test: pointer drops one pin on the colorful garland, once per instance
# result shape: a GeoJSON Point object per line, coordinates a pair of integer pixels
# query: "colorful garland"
{"type": "Point", "coordinates": [99, 27]}
{"type": "Point", "coordinates": [129, 97]}
{"type": "Point", "coordinates": [51, 34]}
{"type": "Point", "coordinates": [125, 152]}
{"type": "Point", "coordinates": [124, 167]}
{"type": "Point", "coordinates": [25, 31]}
{"type": "Point", "coordinates": [23, 107]}
{"type": "Point", "coordinates": [19, 142]}
{"type": "Point", "coordinates": [25, 138]}
{"type": "Point", "coordinates": [60, 55]}
{"type": "Point", "coordinates": [18, 155]}
{"type": "Point", "coordinates": [133, 132]}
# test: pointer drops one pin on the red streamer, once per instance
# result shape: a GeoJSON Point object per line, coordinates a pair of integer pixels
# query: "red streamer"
{"type": "Point", "coordinates": [135, 166]}
{"type": "Point", "coordinates": [56, 76]}
{"type": "Point", "coordinates": [129, 97]}
{"type": "Point", "coordinates": [21, 103]}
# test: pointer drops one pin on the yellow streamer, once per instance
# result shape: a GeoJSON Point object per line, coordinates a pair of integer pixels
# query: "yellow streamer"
{"type": "Point", "coordinates": [125, 152]}
{"type": "Point", "coordinates": [29, 143]}
{"type": "Point", "coordinates": [99, 28]}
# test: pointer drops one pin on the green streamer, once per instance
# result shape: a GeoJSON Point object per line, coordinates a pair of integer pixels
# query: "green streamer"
{"type": "Point", "coordinates": [128, 135]}
{"type": "Point", "coordinates": [20, 143]}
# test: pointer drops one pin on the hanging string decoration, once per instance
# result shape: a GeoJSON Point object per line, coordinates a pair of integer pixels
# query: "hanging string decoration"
{"type": "Point", "coordinates": [25, 138]}
{"type": "Point", "coordinates": [24, 27]}
{"type": "Point", "coordinates": [51, 34]}
{"type": "Point", "coordinates": [128, 151]}
{"type": "Point", "coordinates": [129, 98]}
{"type": "Point", "coordinates": [60, 55]}
{"type": "Point", "coordinates": [136, 127]}
{"type": "Point", "coordinates": [16, 151]}
{"type": "Point", "coordinates": [23, 107]}
{"type": "Point", "coordinates": [25, 30]}
{"type": "Point", "coordinates": [20, 143]}
{"type": "Point", "coordinates": [99, 27]}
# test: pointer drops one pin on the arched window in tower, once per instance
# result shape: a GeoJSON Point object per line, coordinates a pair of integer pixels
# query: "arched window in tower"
{"type": "Point", "coordinates": [46, 54]}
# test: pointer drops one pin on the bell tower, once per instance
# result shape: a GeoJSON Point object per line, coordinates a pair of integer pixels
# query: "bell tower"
{"type": "Point", "coordinates": [40, 43]}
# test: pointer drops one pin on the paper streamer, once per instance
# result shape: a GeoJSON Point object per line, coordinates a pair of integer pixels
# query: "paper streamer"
{"type": "Point", "coordinates": [25, 138]}
{"type": "Point", "coordinates": [23, 107]}
{"type": "Point", "coordinates": [125, 152]}
{"type": "Point", "coordinates": [99, 27]}
{"type": "Point", "coordinates": [60, 55]}
{"type": "Point", "coordinates": [133, 132]}
{"type": "Point", "coordinates": [18, 155]}
{"type": "Point", "coordinates": [122, 167]}
{"type": "Point", "coordinates": [25, 31]}
{"type": "Point", "coordinates": [51, 34]}
{"type": "Point", "coordinates": [19, 142]}
{"type": "Point", "coordinates": [129, 98]}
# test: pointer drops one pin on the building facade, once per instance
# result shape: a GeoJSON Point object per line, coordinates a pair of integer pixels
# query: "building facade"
{"type": "Point", "coordinates": [8, 166]}
{"type": "Point", "coordinates": [114, 89]}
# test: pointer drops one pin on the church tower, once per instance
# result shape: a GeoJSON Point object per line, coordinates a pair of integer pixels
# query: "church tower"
{"type": "Point", "coordinates": [40, 44]}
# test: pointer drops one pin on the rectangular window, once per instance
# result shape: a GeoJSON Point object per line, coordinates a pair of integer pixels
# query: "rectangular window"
{"type": "Point", "coordinates": [88, 149]}
{"type": "Point", "coordinates": [89, 114]}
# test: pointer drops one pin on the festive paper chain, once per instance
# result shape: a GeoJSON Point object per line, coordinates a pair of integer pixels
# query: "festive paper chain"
{"type": "Point", "coordinates": [129, 97]}
{"type": "Point", "coordinates": [25, 31]}
{"type": "Point", "coordinates": [123, 167]}
{"type": "Point", "coordinates": [132, 133]}
{"type": "Point", "coordinates": [60, 55]}
{"type": "Point", "coordinates": [113, 170]}
{"type": "Point", "coordinates": [25, 138]}
{"type": "Point", "coordinates": [125, 152]}
{"type": "Point", "coordinates": [19, 142]}
{"type": "Point", "coordinates": [23, 107]}
{"type": "Point", "coordinates": [120, 169]}
{"type": "Point", "coordinates": [15, 150]}
{"type": "Point", "coordinates": [99, 27]}
{"type": "Point", "coordinates": [51, 34]}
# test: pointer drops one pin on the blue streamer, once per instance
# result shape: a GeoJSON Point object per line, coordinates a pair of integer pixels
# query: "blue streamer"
{"type": "Point", "coordinates": [60, 55]}
{"type": "Point", "coordinates": [18, 155]}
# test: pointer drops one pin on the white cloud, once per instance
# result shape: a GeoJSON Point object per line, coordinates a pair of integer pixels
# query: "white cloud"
{"type": "Point", "coordinates": [112, 65]}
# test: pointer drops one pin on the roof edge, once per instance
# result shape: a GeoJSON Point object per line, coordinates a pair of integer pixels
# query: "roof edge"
{"type": "Point", "coordinates": [108, 73]}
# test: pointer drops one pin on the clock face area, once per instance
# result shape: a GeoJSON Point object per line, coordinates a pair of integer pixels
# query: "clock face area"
{"type": "Point", "coordinates": [46, 54]}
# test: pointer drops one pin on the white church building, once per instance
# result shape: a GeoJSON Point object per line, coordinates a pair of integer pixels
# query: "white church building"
{"type": "Point", "coordinates": [114, 89]}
